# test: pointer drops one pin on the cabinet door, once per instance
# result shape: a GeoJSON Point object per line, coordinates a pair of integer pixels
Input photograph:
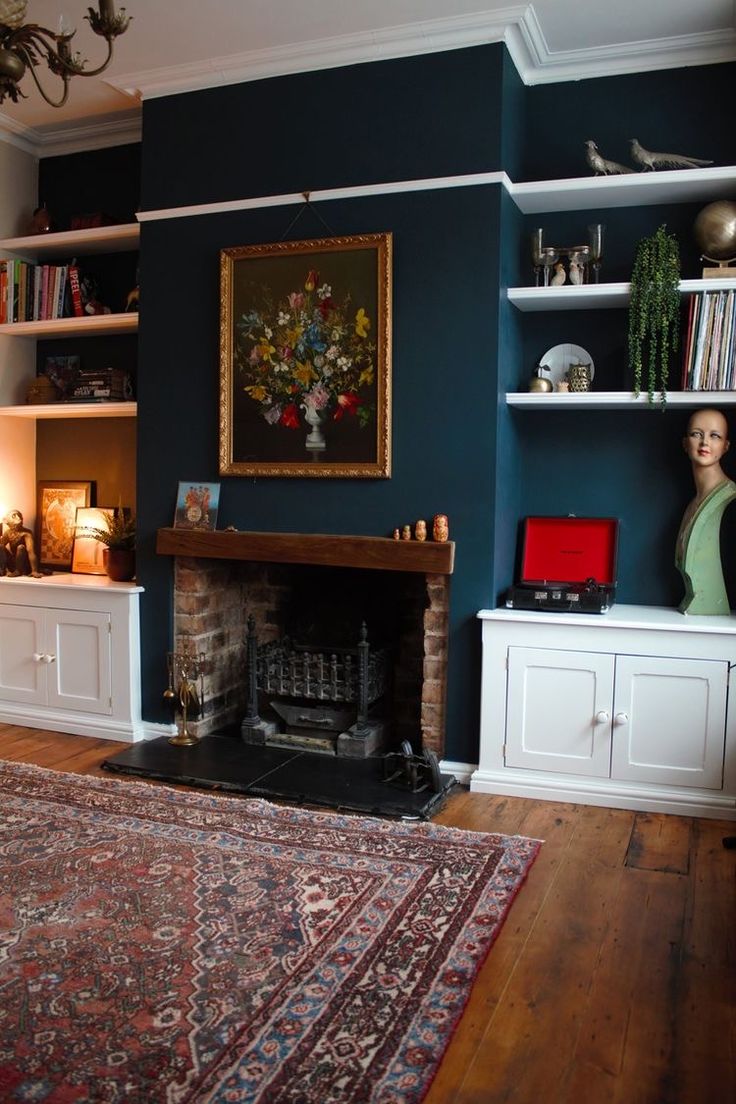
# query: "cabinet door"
{"type": "Point", "coordinates": [80, 674]}
{"type": "Point", "coordinates": [669, 723]}
{"type": "Point", "coordinates": [559, 711]}
{"type": "Point", "coordinates": [22, 675]}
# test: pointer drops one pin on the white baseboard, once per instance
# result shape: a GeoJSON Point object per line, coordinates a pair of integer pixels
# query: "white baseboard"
{"type": "Point", "coordinates": [590, 792]}
{"type": "Point", "coordinates": [462, 771]}
{"type": "Point", "coordinates": [83, 724]}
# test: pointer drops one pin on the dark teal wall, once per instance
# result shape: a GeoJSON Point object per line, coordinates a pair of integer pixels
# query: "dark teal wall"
{"type": "Point", "coordinates": [685, 111]}
{"type": "Point", "coordinates": [444, 292]}
{"type": "Point", "coordinates": [457, 448]}
{"type": "Point", "coordinates": [428, 116]}
{"type": "Point", "coordinates": [422, 117]}
{"type": "Point", "coordinates": [105, 180]}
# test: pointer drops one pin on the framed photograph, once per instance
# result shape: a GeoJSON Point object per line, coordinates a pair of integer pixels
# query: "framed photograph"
{"type": "Point", "coordinates": [56, 515]}
{"type": "Point", "coordinates": [87, 553]}
{"type": "Point", "coordinates": [305, 358]}
{"type": "Point", "coordinates": [197, 505]}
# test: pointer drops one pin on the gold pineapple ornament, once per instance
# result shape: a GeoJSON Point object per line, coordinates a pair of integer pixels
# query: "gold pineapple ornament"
{"type": "Point", "coordinates": [13, 12]}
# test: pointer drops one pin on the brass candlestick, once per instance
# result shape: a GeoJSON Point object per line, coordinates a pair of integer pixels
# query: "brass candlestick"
{"type": "Point", "coordinates": [185, 671]}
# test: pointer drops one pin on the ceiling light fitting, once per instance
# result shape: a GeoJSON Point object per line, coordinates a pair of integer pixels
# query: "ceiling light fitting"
{"type": "Point", "coordinates": [24, 45]}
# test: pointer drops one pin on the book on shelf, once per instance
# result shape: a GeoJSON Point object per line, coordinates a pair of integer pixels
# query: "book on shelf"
{"type": "Point", "coordinates": [76, 293]}
{"type": "Point", "coordinates": [709, 348]}
{"type": "Point", "coordinates": [39, 293]}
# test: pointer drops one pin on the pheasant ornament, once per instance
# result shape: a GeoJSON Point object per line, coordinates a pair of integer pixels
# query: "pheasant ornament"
{"type": "Point", "coordinates": [600, 165]}
{"type": "Point", "coordinates": [650, 161]}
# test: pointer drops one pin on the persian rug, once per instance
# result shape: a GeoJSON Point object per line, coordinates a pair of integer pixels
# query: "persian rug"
{"type": "Point", "coordinates": [167, 946]}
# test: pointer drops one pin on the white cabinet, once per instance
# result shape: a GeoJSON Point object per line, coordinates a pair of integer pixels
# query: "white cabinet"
{"type": "Point", "coordinates": [628, 709]}
{"type": "Point", "coordinates": [641, 718]}
{"type": "Point", "coordinates": [553, 700]}
{"type": "Point", "coordinates": [59, 658]}
{"type": "Point", "coordinates": [70, 655]}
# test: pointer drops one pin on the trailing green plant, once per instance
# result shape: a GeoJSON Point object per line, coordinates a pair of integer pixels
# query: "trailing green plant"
{"type": "Point", "coordinates": [654, 312]}
{"type": "Point", "coordinates": [119, 531]}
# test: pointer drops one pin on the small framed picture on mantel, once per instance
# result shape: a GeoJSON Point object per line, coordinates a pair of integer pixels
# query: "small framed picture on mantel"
{"type": "Point", "coordinates": [197, 505]}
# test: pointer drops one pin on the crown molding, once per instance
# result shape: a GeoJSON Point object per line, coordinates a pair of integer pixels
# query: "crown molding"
{"type": "Point", "coordinates": [14, 134]}
{"type": "Point", "coordinates": [517, 25]}
{"type": "Point", "coordinates": [537, 64]}
{"type": "Point", "coordinates": [77, 138]}
{"type": "Point", "coordinates": [431, 36]}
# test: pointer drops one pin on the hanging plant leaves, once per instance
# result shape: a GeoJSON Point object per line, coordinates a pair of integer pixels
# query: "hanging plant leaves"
{"type": "Point", "coordinates": [654, 312]}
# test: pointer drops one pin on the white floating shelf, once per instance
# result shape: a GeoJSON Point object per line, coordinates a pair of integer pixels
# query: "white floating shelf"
{"type": "Point", "coordinates": [71, 410]}
{"type": "Point", "coordinates": [89, 324]}
{"type": "Point", "coordinates": [616, 400]}
{"type": "Point", "coordinates": [123, 238]}
{"type": "Point", "coordinates": [596, 296]}
{"type": "Point", "coordinates": [585, 193]}
{"type": "Point", "coordinates": [570, 297]}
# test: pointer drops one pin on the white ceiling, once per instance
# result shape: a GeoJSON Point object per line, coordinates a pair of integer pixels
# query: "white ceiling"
{"type": "Point", "coordinates": [181, 45]}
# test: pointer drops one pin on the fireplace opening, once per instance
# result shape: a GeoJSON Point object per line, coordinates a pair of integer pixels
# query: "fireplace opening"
{"type": "Point", "coordinates": [307, 623]}
{"type": "Point", "coordinates": [329, 699]}
{"type": "Point", "coordinates": [313, 593]}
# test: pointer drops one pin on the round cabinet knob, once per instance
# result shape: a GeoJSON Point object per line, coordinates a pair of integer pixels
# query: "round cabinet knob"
{"type": "Point", "coordinates": [621, 719]}
{"type": "Point", "coordinates": [602, 717]}
{"type": "Point", "coordinates": [38, 656]}
{"type": "Point", "coordinates": [48, 658]}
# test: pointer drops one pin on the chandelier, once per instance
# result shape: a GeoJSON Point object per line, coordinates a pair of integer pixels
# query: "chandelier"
{"type": "Point", "coordinates": [23, 46]}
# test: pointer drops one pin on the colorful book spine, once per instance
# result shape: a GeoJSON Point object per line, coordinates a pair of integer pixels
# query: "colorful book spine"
{"type": "Point", "coordinates": [76, 294]}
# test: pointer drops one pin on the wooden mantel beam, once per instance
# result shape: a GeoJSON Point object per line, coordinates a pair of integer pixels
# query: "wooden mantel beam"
{"type": "Point", "coordinates": [377, 553]}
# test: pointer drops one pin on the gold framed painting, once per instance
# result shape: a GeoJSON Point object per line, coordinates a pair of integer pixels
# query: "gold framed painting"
{"type": "Point", "coordinates": [58, 501]}
{"type": "Point", "coordinates": [305, 358]}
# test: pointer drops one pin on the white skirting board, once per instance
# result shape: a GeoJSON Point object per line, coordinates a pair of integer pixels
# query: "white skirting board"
{"type": "Point", "coordinates": [83, 724]}
{"type": "Point", "coordinates": [712, 806]}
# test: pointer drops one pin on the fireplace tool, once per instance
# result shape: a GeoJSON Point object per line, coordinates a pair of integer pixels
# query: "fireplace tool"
{"type": "Point", "coordinates": [185, 692]}
{"type": "Point", "coordinates": [413, 772]}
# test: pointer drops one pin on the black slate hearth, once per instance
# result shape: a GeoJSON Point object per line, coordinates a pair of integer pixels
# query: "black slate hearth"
{"type": "Point", "coordinates": [222, 762]}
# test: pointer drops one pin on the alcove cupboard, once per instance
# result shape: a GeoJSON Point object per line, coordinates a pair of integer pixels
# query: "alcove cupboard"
{"type": "Point", "coordinates": [629, 708]}
{"type": "Point", "coordinates": [69, 643]}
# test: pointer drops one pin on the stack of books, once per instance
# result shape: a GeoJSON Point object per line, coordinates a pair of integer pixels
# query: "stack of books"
{"type": "Point", "coordinates": [107, 385]}
{"type": "Point", "coordinates": [36, 293]}
{"type": "Point", "coordinates": [709, 360]}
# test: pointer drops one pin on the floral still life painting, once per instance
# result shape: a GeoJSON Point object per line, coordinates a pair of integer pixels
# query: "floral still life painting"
{"type": "Point", "coordinates": [305, 358]}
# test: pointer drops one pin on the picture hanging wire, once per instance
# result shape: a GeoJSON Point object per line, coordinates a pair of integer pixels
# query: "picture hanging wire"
{"type": "Point", "coordinates": [300, 212]}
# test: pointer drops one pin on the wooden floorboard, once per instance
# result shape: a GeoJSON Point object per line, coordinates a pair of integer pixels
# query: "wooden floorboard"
{"type": "Point", "coordinates": [612, 980]}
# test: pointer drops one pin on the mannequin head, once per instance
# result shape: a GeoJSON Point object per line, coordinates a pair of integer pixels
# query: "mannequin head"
{"type": "Point", "coordinates": [706, 439]}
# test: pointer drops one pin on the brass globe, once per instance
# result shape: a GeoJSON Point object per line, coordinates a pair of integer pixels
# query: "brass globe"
{"type": "Point", "coordinates": [715, 230]}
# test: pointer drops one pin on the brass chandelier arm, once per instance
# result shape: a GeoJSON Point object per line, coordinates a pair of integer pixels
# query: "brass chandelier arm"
{"type": "Point", "coordinates": [31, 68]}
{"type": "Point", "coordinates": [24, 47]}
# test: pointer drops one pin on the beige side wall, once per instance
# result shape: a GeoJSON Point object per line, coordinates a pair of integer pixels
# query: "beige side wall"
{"type": "Point", "coordinates": [18, 191]}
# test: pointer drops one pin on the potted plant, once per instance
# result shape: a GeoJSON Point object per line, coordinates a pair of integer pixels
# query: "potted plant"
{"type": "Point", "coordinates": [654, 312]}
{"type": "Point", "coordinates": [118, 536]}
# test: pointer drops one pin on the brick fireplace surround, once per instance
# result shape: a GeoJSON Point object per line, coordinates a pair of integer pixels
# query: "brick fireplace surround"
{"type": "Point", "coordinates": [222, 577]}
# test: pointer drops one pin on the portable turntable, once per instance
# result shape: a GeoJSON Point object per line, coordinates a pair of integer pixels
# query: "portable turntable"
{"type": "Point", "coordinates": [568, 564]}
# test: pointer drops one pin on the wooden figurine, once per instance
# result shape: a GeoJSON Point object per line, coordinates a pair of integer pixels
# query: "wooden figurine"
{"type": "Point", "coordinates": [440, 528]}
